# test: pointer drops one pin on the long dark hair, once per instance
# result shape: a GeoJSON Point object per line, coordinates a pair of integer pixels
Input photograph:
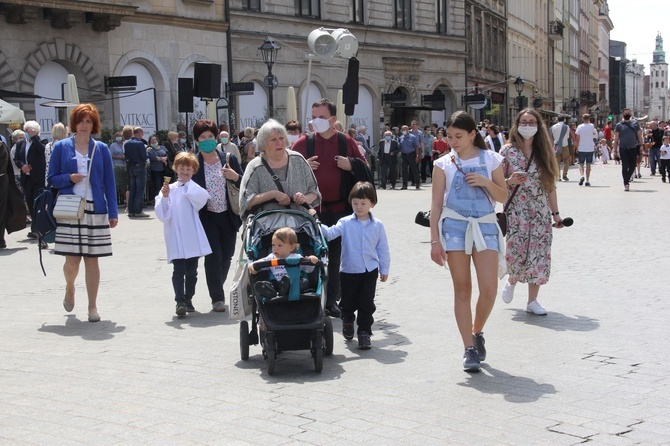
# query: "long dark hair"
{"type": "Point", "coordinates": [542, 149]}
{"type": "Point", "coordinates": [464, 121]}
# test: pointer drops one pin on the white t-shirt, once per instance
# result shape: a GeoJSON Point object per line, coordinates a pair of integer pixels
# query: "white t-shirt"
{"type": "Point", "coordinates": [556, 133]}
{"type": "Point", "coordinates": [492, 159]}
{"type": "Point", "coordinates": [665, 148]}
{"type": "Point", "coordinates": [587, 132]}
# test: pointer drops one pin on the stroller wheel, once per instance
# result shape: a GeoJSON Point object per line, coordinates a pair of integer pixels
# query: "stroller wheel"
{"type": "Point", "coordinates": [328, 335]}
{"type": "Point", "coordinates": [270, 349]}
{"type": "Point", "coordinates": [244, 340]}
{"type": "Point", "coordinates": [317, 350]}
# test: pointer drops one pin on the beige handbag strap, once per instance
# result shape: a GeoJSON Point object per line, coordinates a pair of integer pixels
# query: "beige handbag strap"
{"type": "Point", "coordinates": [90, 166]}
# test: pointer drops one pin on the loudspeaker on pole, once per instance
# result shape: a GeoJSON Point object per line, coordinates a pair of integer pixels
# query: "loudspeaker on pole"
{"type": "Point", "coordinates": [185, 87]}
{"type": "Point", "coordinates": [207, 80]}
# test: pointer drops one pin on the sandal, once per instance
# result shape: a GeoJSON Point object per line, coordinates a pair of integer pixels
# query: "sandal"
{"type": "Point", "coordinates": [93, 316]}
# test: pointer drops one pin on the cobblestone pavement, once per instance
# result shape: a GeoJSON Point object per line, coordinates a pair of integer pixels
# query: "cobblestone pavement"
{"type": "Point", "coordinates": [592, 371]}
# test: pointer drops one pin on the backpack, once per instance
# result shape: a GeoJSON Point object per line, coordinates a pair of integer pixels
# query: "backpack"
{"type": "Point", "coordinates": [44, 224]}
{"type": "Point", "coordinates": [360, 171]}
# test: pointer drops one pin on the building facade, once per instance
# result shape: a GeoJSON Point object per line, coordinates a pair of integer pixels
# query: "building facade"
{"type": "Point", "coordinates": [158, 42]}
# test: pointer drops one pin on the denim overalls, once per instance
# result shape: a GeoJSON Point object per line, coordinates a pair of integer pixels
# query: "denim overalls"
{"type": "Point", "coordinates": [468, 201]}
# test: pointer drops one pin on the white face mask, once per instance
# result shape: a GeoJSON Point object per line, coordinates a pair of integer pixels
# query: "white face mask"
{"type": "Point", "coordinates": [527, 131]}
{"type": "Point", "coordinates": [320, 125]}
{"type": "Point", "coordinates": [292, 138]}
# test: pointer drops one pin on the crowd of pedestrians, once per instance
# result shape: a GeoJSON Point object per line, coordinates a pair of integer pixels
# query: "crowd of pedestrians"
{"type": "Point", "coordinates": [329, 171]}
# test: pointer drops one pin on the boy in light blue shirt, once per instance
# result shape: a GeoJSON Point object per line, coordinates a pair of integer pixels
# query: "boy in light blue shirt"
{"type": "Point", "coordinates": [365, 256]}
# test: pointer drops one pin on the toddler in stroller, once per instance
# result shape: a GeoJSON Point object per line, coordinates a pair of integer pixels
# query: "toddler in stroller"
{"type": "Point", "coordinates": [284, 246]}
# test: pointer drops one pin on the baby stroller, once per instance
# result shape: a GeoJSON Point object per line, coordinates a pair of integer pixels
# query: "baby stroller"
{"type": "Point", "coordinates": [295, 321]}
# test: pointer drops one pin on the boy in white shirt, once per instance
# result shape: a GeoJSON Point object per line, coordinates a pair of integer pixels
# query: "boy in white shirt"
{"type": "Point", "coordinates": [177, 206]}
{"type": "Point", "coordinates": [584, 136]}
{"type": "Point", "coordinates": [665, 158]}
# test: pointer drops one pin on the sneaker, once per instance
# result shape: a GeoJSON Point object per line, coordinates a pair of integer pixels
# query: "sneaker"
{"type": "Point", "coordinates": [581, 181]}
{"type": "Point", "coordinates": [348, 329]}
{"type": "Point", "coordinates": [265, 289]}
{"type": "Point", "coordinates": [141, 215]}
{"type": "Point", "coordinates": [535, 308]}
{"type": "Point", "coordinates": [333, 311]}
{"type": "Point", "coordinates": [131, 215]}
{"type": "Point", "coordinates": [587, 184]}
{"type": "Point", "coordinates": [626, 187]}
{"type": "Point", "coordinates": [478, 339]}
{"type": "Point", "coordinates": [364, 341]}
{"type": "Point", "coordinates": [471, 360]}
{"type": "Point", "coordinates": [189, 306]}
{"type": "Point", "coordinates": [219, 306]}
{"type": "Point", "coordinates": [508, 292]}
{"type": "Point", "coordinates": [565, 178]}
{"type": "Point", "coordinates": [181, 309]}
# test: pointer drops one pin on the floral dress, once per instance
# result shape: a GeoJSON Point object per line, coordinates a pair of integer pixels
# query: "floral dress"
{"type": "Point", "coordinates": [529, 233]}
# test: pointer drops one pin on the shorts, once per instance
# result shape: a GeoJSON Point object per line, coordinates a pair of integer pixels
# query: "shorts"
{"type": "Point", "coordinates": [585, 157]}
{"type": "Point", "coordinates": [455, 239]}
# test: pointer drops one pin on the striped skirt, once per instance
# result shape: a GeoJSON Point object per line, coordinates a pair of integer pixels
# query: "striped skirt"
{"type": "Point", "coordinates": [88, 237]}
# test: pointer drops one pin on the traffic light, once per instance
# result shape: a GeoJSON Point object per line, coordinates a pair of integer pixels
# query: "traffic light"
{"type": "Point", "coordinates": [610, 117]}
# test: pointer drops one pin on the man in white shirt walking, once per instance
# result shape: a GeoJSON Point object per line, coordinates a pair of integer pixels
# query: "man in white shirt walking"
{"type": "Point", "coordinates": [584, 144]}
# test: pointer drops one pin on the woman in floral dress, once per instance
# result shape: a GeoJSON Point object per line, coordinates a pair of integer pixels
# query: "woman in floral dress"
{"type": "Point", "coordinates": [533, 207]}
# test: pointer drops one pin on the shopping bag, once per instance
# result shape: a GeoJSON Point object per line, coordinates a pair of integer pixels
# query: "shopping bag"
{"type": "Point", "coordinates": [241, 299]}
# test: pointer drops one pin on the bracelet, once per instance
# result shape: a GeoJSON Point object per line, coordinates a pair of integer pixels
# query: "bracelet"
{"type": "Point", "coordinates": [555, 213]}
{"type": "Point", "coordinates": [434, 242]}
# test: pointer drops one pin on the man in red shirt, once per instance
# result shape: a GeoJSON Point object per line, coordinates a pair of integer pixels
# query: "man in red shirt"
{"type": "Point", "coordinates": [329, 169]}
{"type": "Point", "coordinates": [608, 134]}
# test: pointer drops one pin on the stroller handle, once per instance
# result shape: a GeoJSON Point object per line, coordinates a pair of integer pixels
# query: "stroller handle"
{"type": "Point", "coordinates": [283, 262]}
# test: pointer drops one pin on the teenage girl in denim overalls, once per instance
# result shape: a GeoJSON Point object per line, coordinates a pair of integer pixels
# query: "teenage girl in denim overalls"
{"type": "Point", "coordinates": [463, 226]}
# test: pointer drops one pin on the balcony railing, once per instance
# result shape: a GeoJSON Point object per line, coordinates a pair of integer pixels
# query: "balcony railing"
{"type": "Point", "coordinates": [556, 30]}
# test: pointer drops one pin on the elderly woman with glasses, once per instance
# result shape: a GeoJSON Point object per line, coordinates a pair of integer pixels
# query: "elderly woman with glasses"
{"type": "Point", "coordinates": [530, 163]}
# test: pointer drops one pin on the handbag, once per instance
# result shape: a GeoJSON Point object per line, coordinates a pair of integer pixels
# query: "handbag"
{"type": "Point", "coordinates": [71, 207]}
{"type": "Point", "coordinates": [232, 192]}
{"type": "Point", "coordinates": [423, 218]}
{"type": "Point", "coordinates": [502, 216]}
{"type": "Point", "coordinates": [241, 299]}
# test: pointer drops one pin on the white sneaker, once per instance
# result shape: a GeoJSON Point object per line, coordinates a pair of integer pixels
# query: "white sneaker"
{"type": "Point", "coordinates": [508, 292]}
{"type": "Point", "coordinates": [535, 308]}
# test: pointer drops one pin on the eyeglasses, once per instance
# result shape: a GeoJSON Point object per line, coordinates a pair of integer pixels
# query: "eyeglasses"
{"type": "Point", "coordinates": [530, 123]}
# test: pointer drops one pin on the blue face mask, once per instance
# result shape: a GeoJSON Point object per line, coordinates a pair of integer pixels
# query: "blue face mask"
{"type": "Point", "coordinates": [404, 132]}
{"type": "Point", "coordinates": [207, 146]}
{"type": "Point", "coordinates": [388, 138]}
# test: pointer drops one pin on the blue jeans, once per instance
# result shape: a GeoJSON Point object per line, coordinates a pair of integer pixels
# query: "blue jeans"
{"type": "Point", "coordinates": [184, 278]}
{"type": "Point", "coordinates": [138, 182]}
{"type": "Point", "coordinates": [654, 158]}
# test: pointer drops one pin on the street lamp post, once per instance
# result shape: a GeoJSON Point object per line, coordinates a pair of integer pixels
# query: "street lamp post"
{"type": "Point", "coordinates": [518, 85]}
{"type": "Point", "coordinates": [269, 50]}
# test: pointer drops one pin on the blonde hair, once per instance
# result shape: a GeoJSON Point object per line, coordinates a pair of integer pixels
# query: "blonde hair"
{"type": "Point", "coordinates": [58, 132]}
{"type": "Point", "coordinates": [288, 236]}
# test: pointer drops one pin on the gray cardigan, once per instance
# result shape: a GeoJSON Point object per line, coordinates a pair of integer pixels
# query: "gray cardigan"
{"type": "Point", "coordinates": [299, 178]}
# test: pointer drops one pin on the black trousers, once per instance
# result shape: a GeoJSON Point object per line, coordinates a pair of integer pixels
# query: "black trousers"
{"type": "Point", "coordinates": [333, 292]}
{"type": "Point", "coordinates": [628, 163]}
{"type": "Point", "coordinates": [184, 278]}
{"type": "Point", "coordinates": [358, 294]}
{"type": "Point", "coordinates": [426, 167]}
{"type": "Point", "coordinates": [409, 164]}
{"type": "Point", "coordinates": [221, 236]}
{"type": "Point", "coordinates": [31, 190]}
{"type": "Point", "coordinates": [389, 170]}
{"type": "Point", "coordinates": [664, 168]}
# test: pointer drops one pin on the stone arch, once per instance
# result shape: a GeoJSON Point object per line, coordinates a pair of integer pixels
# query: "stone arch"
{"type": "Point", "coordinates": [161, 78]}
{"type": "Point", "coordinates": [407, 84]}
{"type": "Point", "coordinates": [65, 53]}
{"type": "Point", "coordinates": [7, 75]}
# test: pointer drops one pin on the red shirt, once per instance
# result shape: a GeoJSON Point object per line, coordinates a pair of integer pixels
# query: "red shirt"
{"type": "Point", "coordinates": [440, 146]}
{"type": "Point", "coordinates": [608, 133]}
{"type": "Point", "coordinates": [328, 175]}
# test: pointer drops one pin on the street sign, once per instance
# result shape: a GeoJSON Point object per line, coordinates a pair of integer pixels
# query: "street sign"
{"type": "Point", "coordinates": [472, 98]}
{"type": "Point", "coordinates": [438, 97]}
{"type": "Point", "coordinates": [394, 97]}
{"type": "Point", "coordinates": [121, 81]}
{"type": "Point", "coordinates": [237, 87]}
{"type": "Point", "coordinates": [497, 97]}
{"type": "Point", "coordinates": [267, 80]}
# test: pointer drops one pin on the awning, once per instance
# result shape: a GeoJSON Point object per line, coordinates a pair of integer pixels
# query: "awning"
{"type": "Point", "coordinates": [10, 114]}
{"type": "Point", "coordinates": [6, 94]}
